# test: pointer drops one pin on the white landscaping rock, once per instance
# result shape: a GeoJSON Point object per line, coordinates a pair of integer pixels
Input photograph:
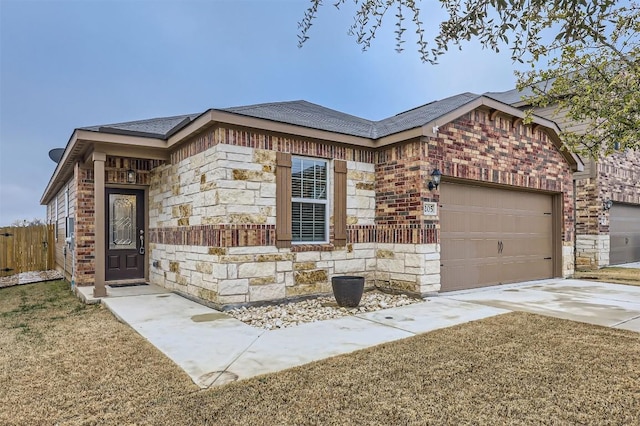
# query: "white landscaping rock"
{"type": "Point", "coordinates": [274, 317]}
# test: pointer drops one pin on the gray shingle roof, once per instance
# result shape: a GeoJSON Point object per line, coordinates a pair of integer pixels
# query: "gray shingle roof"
{"type": "Point", "coordinates": [302, 113]}
{"type": "Point", "coordinates": [418, 117]}
{"type": "Point", "coordinates": [155, 127]}
{"type": "Point", "coordinates": [306, 114]}
{"type": "Point", "coordinates": [509, 97]}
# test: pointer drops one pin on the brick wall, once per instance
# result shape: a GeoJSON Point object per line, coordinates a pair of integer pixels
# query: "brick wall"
{"type": "Point", "coordinates": [617, 178]}
{"type": "Point", "coordinates": [476, 148]}
{"type": "Point", "coordinates": [85, 229]}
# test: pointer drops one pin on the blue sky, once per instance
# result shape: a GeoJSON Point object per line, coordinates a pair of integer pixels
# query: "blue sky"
{"type": "Point", "coordinates": [69, 64]}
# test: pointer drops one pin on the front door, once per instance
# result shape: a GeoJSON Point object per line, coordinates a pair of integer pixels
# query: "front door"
{"type": "Point", "coordinates": [125, 234]}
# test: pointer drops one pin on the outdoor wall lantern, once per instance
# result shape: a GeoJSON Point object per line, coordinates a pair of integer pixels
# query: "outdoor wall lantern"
{"type": "Point", "coordinates": [435, 179]}
{"type": "Point", "coordinates": [131, 176]}
{"type": "Point", "coordinates": [607, 204]}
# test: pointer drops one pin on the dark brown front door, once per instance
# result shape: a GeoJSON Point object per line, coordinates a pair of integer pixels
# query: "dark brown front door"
{"type": "Point", "coordinates": [125, 234]}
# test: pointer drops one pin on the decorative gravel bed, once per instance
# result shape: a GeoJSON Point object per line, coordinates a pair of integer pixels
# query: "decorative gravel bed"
{"type": "Point", "coordinates": [322, 308]}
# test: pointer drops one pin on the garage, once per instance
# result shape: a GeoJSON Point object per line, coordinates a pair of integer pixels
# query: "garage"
{"type": "Point", "coordinates": [493, 236]}
{"type": "Point", "coordinates": [624, 231]}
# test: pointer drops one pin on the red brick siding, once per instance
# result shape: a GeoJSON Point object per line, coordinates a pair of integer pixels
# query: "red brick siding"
{"type": "Point", "coordinates": [476, 148]}
{"type": "Point", "coordinates": [256, 139]}
{"type": "Point", "coordinates": [85, 229]}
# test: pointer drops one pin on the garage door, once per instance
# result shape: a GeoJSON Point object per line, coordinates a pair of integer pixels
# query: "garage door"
{"type": "Point", "coordinates": [624, 228]}
{"type": "Point", "coordinates": [493, 236]}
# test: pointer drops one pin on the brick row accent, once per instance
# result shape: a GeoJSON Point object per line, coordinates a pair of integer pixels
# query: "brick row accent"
{"type": "Point", "coordinates": [264, 235]}
{"type": "Point", "coordinates": [271, 142]}
{"type": "Point", "coordinates": [393, 234]}
{"type": "Point", "coordinates": [115, 169]}
{"type": "Point", "coordinates": [215, 235]}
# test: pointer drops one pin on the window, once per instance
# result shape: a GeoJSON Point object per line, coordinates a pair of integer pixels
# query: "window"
{"type": "Point", "coordinates": [309, 205]}
{"type": "Point", "coordinates": [67, 232]}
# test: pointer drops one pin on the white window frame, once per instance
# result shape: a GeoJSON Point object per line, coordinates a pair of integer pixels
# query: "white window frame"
{"type": "Point", "coordinates": [324, 202]}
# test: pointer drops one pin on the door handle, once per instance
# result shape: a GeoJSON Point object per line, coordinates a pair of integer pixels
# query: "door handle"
{"type": "Point", "coordinates": [141, 249]}
{"type": "Point", "coordinates": [500, 247]}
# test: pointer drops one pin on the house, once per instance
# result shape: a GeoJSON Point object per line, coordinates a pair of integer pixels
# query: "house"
{"type": "Point", "coordinates": [269, 201]}
{"type": "Point", "coordinates": [607, 197]}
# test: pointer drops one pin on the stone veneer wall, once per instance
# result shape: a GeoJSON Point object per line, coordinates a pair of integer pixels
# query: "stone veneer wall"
{"type": "Point", "coordinates": [212, 220]}
{"type": "Point", "coordinates": [617, 178]}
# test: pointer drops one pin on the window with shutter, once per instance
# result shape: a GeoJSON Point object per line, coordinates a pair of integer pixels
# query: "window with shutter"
{"type": "Point", "coordinates": [309, 206]}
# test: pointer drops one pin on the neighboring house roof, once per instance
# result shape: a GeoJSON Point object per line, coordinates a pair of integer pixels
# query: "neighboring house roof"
{"type": "Point", "coordinates": [510, 97]}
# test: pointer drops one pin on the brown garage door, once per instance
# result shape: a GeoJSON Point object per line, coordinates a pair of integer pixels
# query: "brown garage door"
{"type": "Point", "coordinates": [624, 229]}
{"type": "Point", "coordinates": [493, 236]}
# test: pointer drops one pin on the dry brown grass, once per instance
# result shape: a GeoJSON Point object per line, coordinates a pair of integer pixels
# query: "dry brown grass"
{"type": "Point", "coordinates": [611, 274]}
{"type": "Point", "coordinates": [61, 362]}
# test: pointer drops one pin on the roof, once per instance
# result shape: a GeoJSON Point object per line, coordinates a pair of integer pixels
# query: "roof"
{"type": "Point", "coordinates": [300, 113]}
{"type": "Point", "coordinates": [161, 127]}
{"type": "Point", "coordinates": [515, 97]}
{"type": "Point", "coordinates": [155, 135]}
{"type": "Point", "coordinates": [307, 114]}
{"type": "Point", "coordinates": [422, 115]}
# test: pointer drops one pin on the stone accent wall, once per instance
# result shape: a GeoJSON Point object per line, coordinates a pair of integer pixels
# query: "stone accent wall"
{"type": "Point", "coordinates": [230, 275]}
{"type": "Point", "coordinates": [212, 221]}
{"type": "Point", "coordinates": [592, 251]}
{"type": "Point", "coordinates": [617, 178]}
{"type": "Point", "coordinates": [410, 268]}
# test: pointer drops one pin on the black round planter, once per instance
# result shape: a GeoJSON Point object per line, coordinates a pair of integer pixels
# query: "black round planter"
{"type": "Point", "coordinates": [347, 290]}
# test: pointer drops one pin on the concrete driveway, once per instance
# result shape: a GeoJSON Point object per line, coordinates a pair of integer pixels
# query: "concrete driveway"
{"type": "Point", "coordinates": [214, 348]}
{"type": "Point", "coordinates": [610, 305]}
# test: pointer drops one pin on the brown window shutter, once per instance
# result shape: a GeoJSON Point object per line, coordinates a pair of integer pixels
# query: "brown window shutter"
{"type": "Point", "coordinates": [340, 203]}
{"type": "Point", "coordinates": [283, 200]}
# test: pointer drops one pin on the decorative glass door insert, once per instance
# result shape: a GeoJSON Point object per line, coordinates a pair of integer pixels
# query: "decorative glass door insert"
{"type": "Point", "coordinates": [122, 223]}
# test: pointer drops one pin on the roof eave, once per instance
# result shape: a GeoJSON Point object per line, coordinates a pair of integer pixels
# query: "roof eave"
{"type": "Point", "coordinates": [79, 143]}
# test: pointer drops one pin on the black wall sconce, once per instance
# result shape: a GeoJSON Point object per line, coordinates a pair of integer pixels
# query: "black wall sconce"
{"type": "Point", "coordinates": [436, 175]}
{"type": "Point", "coordinates": [607, 204]}
{"type": "Point", "coordinates": [131, 176]}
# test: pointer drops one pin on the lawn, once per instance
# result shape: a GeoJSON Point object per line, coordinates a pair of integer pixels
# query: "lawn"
{"type": "Point", "coordinates": [611, 274]}
{"type": "Point", "coordinates": [62, 362]}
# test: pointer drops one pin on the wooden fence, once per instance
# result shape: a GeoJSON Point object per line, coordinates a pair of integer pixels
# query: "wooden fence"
{"type": "Point", "coordinates": [24, 249]}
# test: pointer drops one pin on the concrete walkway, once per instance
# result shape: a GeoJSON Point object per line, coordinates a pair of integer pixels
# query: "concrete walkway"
{"type": "Point", "coordinates": [215, 349]}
